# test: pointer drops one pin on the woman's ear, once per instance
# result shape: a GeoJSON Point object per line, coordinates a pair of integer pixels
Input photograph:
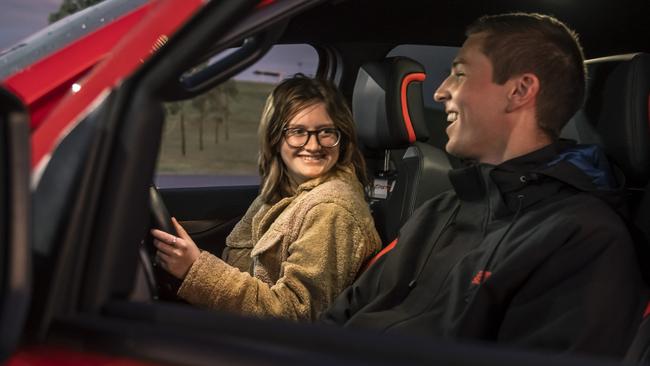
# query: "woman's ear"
{"type": "Point", "coordinates": [524, 91]}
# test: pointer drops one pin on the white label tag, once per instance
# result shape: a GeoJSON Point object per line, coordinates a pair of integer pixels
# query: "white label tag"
{"type": "Point", "coordinates": [380, 188]}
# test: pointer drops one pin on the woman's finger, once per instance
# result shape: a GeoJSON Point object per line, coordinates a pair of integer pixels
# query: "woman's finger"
{"type": "Point", "coordinates": [159, 260]}
{"type": "Point", "coordinates": [163, 247]}
{"type": "Point", "coordinates": [164, 257]}
{"type": "Point", "coordinates": [180, 230]}
{"type": "Point", "coordinates": [164, 237]}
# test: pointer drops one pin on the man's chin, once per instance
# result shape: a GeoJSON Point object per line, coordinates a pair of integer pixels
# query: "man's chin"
{"type": "Point", "coordinates": [457, 151]}
{"type": "Point", "coordinates": [452, 149]}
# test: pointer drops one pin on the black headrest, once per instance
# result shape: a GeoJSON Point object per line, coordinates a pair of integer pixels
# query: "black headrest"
{"type": "Point", "coordinates": [618, 109]}
{"type": "Point", "coordinates": [387, 103]}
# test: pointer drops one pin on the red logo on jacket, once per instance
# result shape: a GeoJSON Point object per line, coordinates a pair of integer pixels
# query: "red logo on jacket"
{"type": "Point", "coordinates": [480, 277]}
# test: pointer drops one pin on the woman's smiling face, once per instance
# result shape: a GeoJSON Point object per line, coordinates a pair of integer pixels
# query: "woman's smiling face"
{"type": "Point", "coordinates": [312, 160]}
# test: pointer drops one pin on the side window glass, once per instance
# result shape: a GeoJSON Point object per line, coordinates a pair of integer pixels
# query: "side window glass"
{"type": "Point", "coordinates": [437, 63]}
{"type": "Point", "coordinates": [211, 140]}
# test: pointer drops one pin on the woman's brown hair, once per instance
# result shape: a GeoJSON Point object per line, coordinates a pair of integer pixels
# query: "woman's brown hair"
{"type": "Point", "coordinates": [287, 99]}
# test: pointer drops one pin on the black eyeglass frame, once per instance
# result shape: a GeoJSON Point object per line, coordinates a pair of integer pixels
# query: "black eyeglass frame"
{"type": "Point", "coordinates": [315, 133]}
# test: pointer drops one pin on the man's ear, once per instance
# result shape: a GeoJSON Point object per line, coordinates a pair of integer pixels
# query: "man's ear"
{"type": "Point", "coordinates": [523, 92]}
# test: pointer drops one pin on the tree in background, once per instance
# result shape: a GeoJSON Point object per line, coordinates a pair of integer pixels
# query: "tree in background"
{"type": "Point", "coordinates": [177, 108]}
{"type": "Point", "coordinates": [220, 98]}
{"type": "Point", "coordinates": [200, 104]}
{"type": "Point", "coordinates": [70, 7]}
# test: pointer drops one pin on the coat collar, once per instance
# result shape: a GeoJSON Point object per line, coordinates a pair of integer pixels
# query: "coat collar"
{"type": "Point", "coordinates": [268, 213]}
{"type": "Point", "coordinates": [345, 173]}
{"type": "Point", "coordinates": [519, 181]}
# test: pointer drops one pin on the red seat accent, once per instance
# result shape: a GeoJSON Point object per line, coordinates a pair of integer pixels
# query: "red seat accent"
{"type": "Point", "coordinates": [417, 76]}
{"type": "Point", "coordinates": [386, 249]}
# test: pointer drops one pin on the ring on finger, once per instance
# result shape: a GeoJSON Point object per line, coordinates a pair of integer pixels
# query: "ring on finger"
{"type": "Point", "coordinates": [174, 240]}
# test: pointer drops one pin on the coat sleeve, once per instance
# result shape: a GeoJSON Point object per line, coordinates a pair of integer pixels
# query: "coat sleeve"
{"type": "Point", "coordinates": [239, 242]}
{"type": "Point", "coordinates": [329, 251]}
{"type": "Point", "coordinates": [586, 297]}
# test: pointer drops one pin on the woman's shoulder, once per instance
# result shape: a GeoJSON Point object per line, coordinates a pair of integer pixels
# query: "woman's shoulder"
{"type": "Point", "coordinates": [343, 186]}
{"type": "Point", "coordinates": [339, 191]}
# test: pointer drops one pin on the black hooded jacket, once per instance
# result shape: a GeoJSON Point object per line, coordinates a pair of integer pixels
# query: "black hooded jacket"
{"type": "Point", "coordinates": [531, 253]}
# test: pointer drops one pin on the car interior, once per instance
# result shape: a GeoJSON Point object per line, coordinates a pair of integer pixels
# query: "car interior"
{"type": "Point", "coordinates": [95, 284]}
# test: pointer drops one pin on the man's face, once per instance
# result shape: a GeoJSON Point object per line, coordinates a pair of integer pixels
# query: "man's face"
{"type": "Point", "coordinates": [475, 106]}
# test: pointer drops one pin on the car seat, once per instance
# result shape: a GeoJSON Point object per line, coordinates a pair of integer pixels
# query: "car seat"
{"type": "Point", "coordinates": [389, 114]}
{"type": "Point", "coordinates": [616, 115]}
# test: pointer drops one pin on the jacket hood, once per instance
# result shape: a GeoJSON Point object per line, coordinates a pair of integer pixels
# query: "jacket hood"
{"type": "Point", "coordinates": [532, 177]}
{"type": "Point", "coordinates": [586, 168]}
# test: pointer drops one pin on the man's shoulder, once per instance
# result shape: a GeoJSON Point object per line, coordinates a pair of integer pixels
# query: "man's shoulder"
{"type": "Point", "coordinates": [584, 212]}
{"type": "Point", "coordinates": [583, 205]}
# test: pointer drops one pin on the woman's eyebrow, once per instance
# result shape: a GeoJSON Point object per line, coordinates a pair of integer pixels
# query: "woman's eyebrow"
{"type": "Point", "coordinates": [322, 125]}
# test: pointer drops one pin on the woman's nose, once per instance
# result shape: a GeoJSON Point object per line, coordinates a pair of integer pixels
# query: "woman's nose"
{"type": "Point", "coordinates": [312, 143]}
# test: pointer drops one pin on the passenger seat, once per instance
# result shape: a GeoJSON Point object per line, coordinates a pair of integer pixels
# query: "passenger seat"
{"type": "Point", "coordinates": [389, 114]}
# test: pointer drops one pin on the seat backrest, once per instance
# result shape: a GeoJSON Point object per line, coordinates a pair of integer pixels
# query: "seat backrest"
{"type": "Point", "coordinates": [616, 115]}
{"type": "Point", "coordinates": [389, 114]}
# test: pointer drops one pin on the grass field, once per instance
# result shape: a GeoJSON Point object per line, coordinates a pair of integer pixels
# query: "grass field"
{"type": "Point", "coordinates": [230, 147]}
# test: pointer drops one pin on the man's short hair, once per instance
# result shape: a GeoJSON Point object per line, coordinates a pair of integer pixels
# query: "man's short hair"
{"type": "Point", "coordinates": [519, 43]}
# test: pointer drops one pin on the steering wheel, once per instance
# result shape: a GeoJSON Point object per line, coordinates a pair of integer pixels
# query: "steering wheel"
{"type": "Point", "coordinates": [162, 284]}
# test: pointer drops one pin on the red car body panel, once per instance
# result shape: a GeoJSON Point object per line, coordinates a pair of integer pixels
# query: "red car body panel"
{"type": "Point", "coordinates": [160, 22]}
{"type": "Point", "coordinates": [42, 85]}
{"type": "Point", "coordinates": [103, 58]}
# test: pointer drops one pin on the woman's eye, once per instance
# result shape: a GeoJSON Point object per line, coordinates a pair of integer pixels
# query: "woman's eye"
{"type": "Point", "coordinates": [297, 132]}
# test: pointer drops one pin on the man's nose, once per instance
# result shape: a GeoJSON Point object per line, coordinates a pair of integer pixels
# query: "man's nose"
{"type": "Point", "coordinates": [442, 93]}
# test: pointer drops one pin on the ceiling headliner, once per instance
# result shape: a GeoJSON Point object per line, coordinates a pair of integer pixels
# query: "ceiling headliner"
{"type": "Point", "coordinates": [605, 26]}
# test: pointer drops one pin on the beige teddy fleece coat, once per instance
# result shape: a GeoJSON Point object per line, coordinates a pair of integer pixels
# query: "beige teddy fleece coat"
{"type": "Point", "coordinates": [291, 259]}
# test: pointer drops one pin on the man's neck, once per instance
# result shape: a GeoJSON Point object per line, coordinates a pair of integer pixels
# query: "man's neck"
{"type": "Point", "coordinates": [519, 148]}
{"type": "Point", "coordinates": [524, 138]}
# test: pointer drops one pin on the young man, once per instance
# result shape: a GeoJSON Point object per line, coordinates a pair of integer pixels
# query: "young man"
{"type": "Point", "coordinates": [527, 249]}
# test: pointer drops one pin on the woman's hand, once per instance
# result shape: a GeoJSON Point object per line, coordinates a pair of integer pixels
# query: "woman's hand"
{"type": "Point", "coordinates": [175, 253]}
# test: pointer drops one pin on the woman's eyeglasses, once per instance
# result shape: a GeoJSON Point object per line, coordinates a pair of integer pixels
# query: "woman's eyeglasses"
{"type": "Point", "coordinates": [299, 137]}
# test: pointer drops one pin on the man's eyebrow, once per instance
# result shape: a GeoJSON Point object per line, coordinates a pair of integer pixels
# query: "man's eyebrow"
{"type": "Point", "coordinates": [457, 62]}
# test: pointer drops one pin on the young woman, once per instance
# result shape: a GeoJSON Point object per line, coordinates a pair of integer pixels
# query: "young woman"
{"type": "Point", "coordinates": [308, 233]}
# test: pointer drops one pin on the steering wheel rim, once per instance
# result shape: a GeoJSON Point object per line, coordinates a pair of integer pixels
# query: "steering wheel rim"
{"type": "Point", "coordinates": [160, 214]}
{"type": "Point", "coordinates": [162, 284]}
